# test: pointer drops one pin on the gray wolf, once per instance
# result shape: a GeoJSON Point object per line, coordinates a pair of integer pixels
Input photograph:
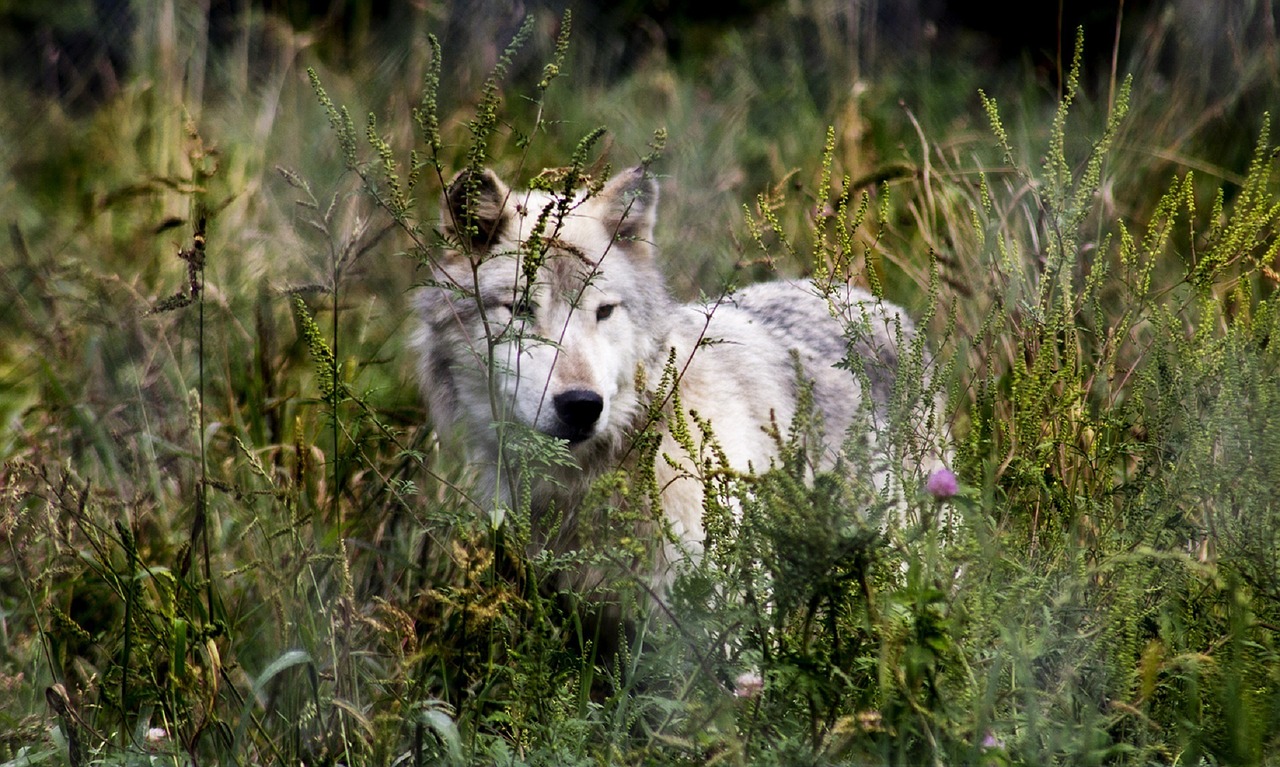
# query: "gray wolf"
{"type": "Point", "coordinates": [548, 312]}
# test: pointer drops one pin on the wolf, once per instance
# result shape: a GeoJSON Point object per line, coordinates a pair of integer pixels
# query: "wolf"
{"type": "Point", "coordinates": [549, 313]}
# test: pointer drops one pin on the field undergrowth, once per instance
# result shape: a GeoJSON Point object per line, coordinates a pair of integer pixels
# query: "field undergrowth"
{"type": "Point", "coordinates": [231, 535]}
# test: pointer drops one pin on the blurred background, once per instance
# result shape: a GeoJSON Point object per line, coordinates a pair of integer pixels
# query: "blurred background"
{"type": "Point", "coordinates": [99, 90]}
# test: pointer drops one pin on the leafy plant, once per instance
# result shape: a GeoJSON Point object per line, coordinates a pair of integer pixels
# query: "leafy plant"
{"type": "Point", "coordinates": [229, 535]}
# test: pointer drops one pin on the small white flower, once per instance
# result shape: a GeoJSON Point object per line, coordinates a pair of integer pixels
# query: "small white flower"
{"type": "Point", "coordinates": [156, 735]}
{"type": "Point", "coordinates": [749, 684]}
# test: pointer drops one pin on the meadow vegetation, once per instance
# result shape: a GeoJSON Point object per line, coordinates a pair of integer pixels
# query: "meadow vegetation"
{"type": "Point", "coordinates": [230, 534]}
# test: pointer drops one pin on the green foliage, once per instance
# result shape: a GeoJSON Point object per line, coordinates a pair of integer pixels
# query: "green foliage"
{"type": "Point", "coordinates": [228, 536]}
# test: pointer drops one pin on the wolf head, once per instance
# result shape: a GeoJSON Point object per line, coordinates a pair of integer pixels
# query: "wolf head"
{"type": "Point", "coordinates": [542, 309]}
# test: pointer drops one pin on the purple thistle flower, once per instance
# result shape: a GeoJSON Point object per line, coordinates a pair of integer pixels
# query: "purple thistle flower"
{"type": "Point", "coordinates": [942, 484]}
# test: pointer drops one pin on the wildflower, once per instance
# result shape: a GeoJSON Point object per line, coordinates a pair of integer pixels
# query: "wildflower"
{"type": "Point", "coordinates": [749, 684]}
{"type": "Point", "coordinates": [990, 741]}
{"type": "Point", "coordinates": [942, 484]}
{"type": "Point", "coordinates": [156, 735]}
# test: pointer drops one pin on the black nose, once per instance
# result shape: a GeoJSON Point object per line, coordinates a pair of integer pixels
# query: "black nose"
{"type": "Point", "coordinates": [578, 410]}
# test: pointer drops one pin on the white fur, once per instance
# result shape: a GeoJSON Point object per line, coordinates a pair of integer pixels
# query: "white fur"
{"type": "Point", "coordinates": [596, 319]}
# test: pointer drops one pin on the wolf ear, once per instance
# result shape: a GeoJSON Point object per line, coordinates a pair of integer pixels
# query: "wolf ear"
{"type": "Point", "coordinates": [631, 200]}
{"type": "Point", "coordinates": [475, 210]}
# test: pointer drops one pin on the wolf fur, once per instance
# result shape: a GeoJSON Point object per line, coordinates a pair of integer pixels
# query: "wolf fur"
{"type": "Point", "coordinates": [575, 349]}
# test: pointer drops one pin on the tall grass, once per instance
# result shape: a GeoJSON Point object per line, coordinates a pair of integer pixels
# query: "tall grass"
{"type": "Point", "coordinates": [230, 534]}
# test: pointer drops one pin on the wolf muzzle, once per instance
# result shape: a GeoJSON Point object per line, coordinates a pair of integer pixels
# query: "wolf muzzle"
{"type": "Point", "coordinates": [577, 411]}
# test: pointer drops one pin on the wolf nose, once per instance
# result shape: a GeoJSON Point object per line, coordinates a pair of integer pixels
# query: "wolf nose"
{"type": "Point", "coordinates": [578, 410]}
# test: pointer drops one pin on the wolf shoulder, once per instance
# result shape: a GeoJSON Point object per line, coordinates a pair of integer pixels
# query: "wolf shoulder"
{"type": "Point", "coordinates": [744, 357]}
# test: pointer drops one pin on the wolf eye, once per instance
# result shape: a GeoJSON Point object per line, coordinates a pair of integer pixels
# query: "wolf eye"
{"type": "Point", "coordinates": [604, 311]}
{"type": "Point", "coordinates": [520, 310]}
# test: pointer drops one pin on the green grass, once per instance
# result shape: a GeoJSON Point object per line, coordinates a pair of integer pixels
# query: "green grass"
{"type": "Point", "coordinates": [225, 513]}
